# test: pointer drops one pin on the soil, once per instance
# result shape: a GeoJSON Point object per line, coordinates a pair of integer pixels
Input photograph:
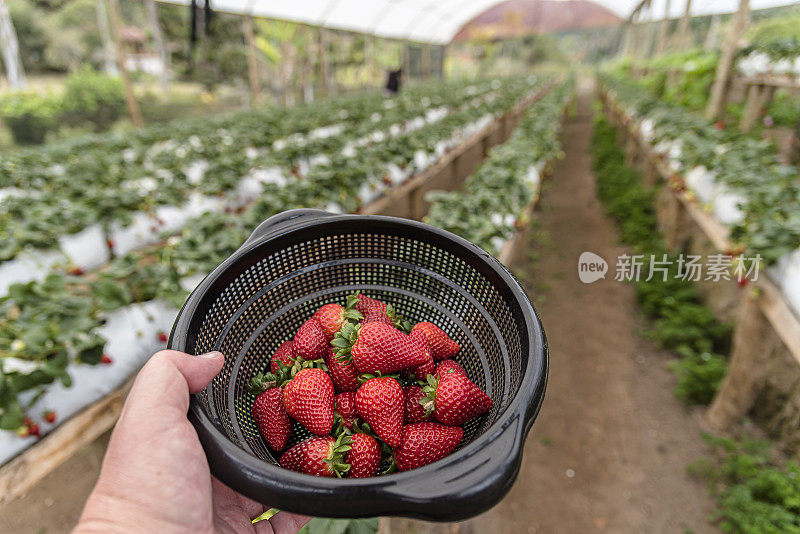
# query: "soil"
{"type": "Point", "coordinates": [610, 448]}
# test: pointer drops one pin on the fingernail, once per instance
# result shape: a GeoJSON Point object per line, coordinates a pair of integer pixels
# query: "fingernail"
{"type": "Point", "coordinates": [211, 355]}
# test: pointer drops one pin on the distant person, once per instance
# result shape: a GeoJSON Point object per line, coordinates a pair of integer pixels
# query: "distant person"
{"type": "Point", "coordinates": [394, 81]}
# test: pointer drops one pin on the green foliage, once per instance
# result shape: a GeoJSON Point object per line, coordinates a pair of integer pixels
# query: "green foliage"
{"type": "Point", "coordinates": [784, 110]}
{"type": "Point", "coordinates": [320, 525]}
{"type": "Point", "coordinates": [681, 322]}
{"type": "Point", "coordinates": [94, 97]}
{"type": "Point", "coordinates": [754, 493]}
{"type": "Point", "coordinates": [486, 210]}
{"type": "Point", "coordinates": [30, 116]}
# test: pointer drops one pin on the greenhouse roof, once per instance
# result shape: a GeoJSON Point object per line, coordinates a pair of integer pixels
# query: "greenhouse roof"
{"type": "Point", "coordinates": [428, 21]}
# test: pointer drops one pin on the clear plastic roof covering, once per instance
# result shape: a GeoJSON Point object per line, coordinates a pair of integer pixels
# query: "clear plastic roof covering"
{"type": "Point", "coordinates": [430, 21]}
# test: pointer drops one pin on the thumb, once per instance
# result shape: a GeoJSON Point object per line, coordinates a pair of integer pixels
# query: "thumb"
{"type": "Point", "coordinates": [198, 371]}
{"type": "Point", "coordinates": [167, 379]}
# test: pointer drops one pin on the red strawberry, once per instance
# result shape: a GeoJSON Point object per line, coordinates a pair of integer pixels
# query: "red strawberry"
{"type": "Point", "coordinates": [321, 456]}
{"type": "Point", "coordinates": [379, 348]}
{"type": "Point", "coordinates": [34, 430]}
{"type": "Point", "coordinates": [364, 456]}
{"type": "Point", "coordinates": [308, 398]}
{"type": "Point", "coordinates": [422, 370]}
{"type": "Point", "coordinates": [447, 367]}
{"type": "Point", "coordinates": [342, 373]}
{"type": "Point", "coordinates": [106, 359]}
{"type": "Point", "coordinates": [283, 355]}
{"type": "Point", "coordinates": [455, 399]}
{"type": "Point", "coordinates": [50, 416]}
{"type": "Point", "coordinates": [310, 342]}
{"type": "Point", "coordinates": [368, 306]}
{"type": "Point", "coordinates": [424, 443]}
{"type": "Point", "coordinates": [345, 408]}
{"type": "Point", "coordinates": [332, 316]}
{"type": "Point", "coordinates": [415, 413]}
{"type": "Point", "coordinates": [75, 271]}
{"type": "Point", "coordinates": [442, 347]}
{"type": "Point", "coordinates": [271, 418]}
{"type": "Point", "coordinates": [381, 404]}
{"type": "Point", "coordinates": [742, 281]}
{"type": "Point", "coordinates": [377, 317]}
{"type": "Point", "coordinates": [162, 337]}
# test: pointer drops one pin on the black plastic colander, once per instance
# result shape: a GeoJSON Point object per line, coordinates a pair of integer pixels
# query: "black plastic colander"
{"type": "Point", "coordinates": [298, 260]}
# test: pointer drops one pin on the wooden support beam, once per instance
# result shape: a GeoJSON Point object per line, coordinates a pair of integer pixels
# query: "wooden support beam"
{"type": "Point", "coordinates": [719, 90]}
{"type": "Point", "coordinates": [322, 62]}
{"type": "Point", "coordinates": [130, 98]}
{"type": "Point", "coordinates": [406, 60]}
{"type": "Point", "coordinates": [252, 59]}
{"type": "Point", "coordinates": [158, 37]}
{"type": "Point", "coordinates": [426, 62]}
{"type": "Point", "coordinates": [663, 31]}
{"type": "Point", "coordinates": [752, 107]}
{"type": "Point", "coordinates": [9, 46]}
{"type": "Point", "coordinates": [684, 39]}
{"type": "Point", "coordinates": [747, 369]}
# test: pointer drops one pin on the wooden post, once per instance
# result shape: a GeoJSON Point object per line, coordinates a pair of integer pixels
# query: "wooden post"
{"type": "Point", "coordinates": [130, 98]}
{"type": "Point", "coordinates": [406, 61]}
{"type": "Point", "coordinates": [627, 39]}
{"type": "Point", "coordinates": [426, 62]}
{"type": "Point", "coordinates": [322, 62]}
{"type": "Point", "coordinates": [370, 61]}
{"type": "Point", "coordinates": [158, 37]}
{"type": "Point", "coordinates": [746, 372]}
{"type": "Point", "coordinates": [109, 63]}
{"type": "Point", "coordinates": [719, 89]}
{"type": "Point", "coordinates": [710, 42]}
{"type": "Point", "coordinates": [9, 46]}
{"type": "Point", "coordinates": [684, 41]}
{"type": "Point", "coordinates": [752, 109]}
{"type": "Point", "coordinates": [252, 59]}
{"type": "Point", "coordinates": [663, 30]}
{"type": "Point", "coordinates": [308, 65]}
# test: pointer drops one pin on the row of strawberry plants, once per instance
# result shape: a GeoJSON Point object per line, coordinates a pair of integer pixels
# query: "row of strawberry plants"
{"type": "Point", "coordinates": [64, 190]}
{"type": "Point", "coordinates": [46, 326]}
{"type": "Point", "coordinates": [735, 176]}
{"type": "Point", "coordinates": [488, 209]}
{"type": "Point", "coordinates": [310, 153]}
{"type": "Point", "coordinates": [680, 321]}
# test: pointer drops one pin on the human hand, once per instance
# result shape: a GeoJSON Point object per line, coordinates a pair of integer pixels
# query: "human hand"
{"type": "Point", "coordinates": [155, 477]}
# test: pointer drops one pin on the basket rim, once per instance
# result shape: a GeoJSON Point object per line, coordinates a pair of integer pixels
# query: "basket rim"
{"type": "Point", "coordinates": [521, 411]}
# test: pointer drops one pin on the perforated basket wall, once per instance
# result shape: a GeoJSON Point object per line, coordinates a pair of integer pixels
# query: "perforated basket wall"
{"type": "Point", "coordinates": [260, 297]}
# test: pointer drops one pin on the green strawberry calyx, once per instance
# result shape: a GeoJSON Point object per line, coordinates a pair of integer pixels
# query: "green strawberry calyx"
{"type": "Point", "coordinates": [335, 459]}
{"type": "Point", "coordinates": [261, 382]}
{"type": "Point", "coordinates": [429, 400]}
{"type": "Point", "coordinates": [350, 312]}
{"type": "Point", "coordinates": [398, 321]}
{"type": "Point", "coordinates": [344, 340]}
{"type": "Point", "coordinates": [388, 464]}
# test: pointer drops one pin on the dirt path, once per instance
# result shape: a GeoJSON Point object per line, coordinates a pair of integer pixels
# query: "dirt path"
{"type": "Point", "coordinates": [610, 448]}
